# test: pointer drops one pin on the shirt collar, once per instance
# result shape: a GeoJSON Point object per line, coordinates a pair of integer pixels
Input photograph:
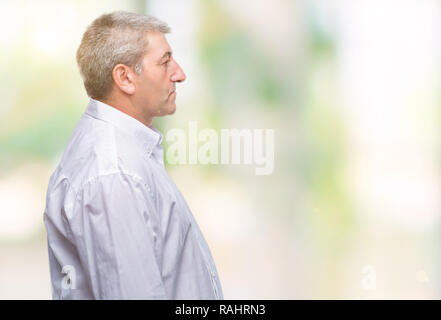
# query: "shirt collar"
{"type": "Point", "coordinates": [148, 136]}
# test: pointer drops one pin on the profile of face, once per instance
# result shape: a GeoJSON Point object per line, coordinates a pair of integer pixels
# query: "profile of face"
{"type": "Point", "coordinates": [155, 86]}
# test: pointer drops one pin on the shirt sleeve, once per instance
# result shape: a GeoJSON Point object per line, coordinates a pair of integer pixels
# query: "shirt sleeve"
{"type": "Point", "coordinates": [112, 229]}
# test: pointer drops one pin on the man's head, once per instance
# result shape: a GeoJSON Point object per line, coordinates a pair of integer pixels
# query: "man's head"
{"type": "Point", "coordinates": [125, 58]}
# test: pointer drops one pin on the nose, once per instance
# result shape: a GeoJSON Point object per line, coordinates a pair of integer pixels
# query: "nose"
{"type": "Point", "coordinates": [178, 74]}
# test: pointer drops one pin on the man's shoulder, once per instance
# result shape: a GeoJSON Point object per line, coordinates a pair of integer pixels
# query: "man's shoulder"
{"type": "Point", "coordinates": [95, 149]}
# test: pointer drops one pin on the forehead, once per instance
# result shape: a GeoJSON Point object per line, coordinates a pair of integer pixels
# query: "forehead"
{"type": "Point", "coordinates": [157, 45]}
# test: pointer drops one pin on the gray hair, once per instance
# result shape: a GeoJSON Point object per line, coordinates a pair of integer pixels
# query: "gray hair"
{"type": "Point", "coordinates": [111, 39]}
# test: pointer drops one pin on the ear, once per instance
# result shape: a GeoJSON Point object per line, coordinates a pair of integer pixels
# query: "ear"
{"type": "Point", "coordinates": [124, 78]}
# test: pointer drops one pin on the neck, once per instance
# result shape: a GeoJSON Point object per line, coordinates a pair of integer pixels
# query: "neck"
{"type": "Point", "coordinates": [125, 104]}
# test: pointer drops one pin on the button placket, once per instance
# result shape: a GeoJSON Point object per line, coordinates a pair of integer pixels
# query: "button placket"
{"type": "Point", "coordinates": [150, 191]}
{"type": "Point", "coordinates": [213, 281]}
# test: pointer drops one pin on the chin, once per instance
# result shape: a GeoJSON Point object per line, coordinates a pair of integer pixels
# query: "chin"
{"type": "Point", "coordinates": [173, 109]}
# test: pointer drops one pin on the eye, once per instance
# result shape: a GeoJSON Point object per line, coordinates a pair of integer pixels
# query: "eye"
{"type": "Point", "coordinates": [166, 63]}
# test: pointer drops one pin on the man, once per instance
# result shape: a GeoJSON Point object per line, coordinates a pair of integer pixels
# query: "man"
{"type": "Point", "coordinates": [117, 226]}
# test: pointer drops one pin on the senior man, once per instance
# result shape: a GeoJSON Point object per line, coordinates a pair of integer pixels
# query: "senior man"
{"type": "Point", "coordinates": [117, 226]}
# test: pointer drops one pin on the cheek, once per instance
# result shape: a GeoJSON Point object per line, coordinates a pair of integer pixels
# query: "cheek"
{"type": "Point", "coordinates": [158, 84]}
{"type": "Point", "coordinates": [154, 83]}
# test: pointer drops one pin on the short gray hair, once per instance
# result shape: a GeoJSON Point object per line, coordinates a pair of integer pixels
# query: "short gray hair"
{"type": "Point", "coordinates": [111, 39]}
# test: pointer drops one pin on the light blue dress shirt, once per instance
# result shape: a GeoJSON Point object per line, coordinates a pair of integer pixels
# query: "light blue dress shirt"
{"type": "Point", "coordinates": [117, 226]}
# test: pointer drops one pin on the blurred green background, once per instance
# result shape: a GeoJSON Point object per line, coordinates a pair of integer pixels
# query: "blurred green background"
{"type": "Point", "coordinates": [352, 91]}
